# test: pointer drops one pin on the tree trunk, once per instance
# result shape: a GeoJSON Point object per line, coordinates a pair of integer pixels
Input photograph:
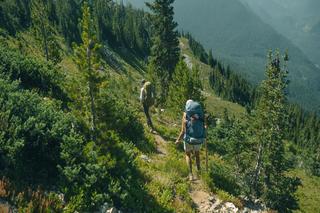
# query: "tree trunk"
{"type": "Point", "coordinates": [92, 105]}
{"type": "Point", "coordinates": [258, 167]}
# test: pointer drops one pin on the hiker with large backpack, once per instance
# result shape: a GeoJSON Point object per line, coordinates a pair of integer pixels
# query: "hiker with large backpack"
{"type": "Point", "coordinates": [147, 97]}
{"type": "Point", "coordinates": [193, 131]}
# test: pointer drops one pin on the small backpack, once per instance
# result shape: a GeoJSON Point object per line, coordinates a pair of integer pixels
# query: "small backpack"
{"type": "Point", "coordinates": [195, 130]}
{"type": "Point", "coordinates": [148, 94]}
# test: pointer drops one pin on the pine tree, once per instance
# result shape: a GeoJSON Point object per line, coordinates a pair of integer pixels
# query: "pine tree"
{"type": "Point", "coordinates": [165, 49]}
{"type": "Point", "coordinates": [88, 62]}
{"type": "Point", "coordinates": [185, 85]}
{"type": "Point", "coordinates": [211, 61]}
{"type": "Point", "coordinates": [40, 14]}
{"type": "Point", "coordinates": [69, 12]}
{"type": "Point", "coordinates": [276, 188]}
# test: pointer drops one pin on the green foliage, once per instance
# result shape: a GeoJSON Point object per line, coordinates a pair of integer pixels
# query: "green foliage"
{"type": "Point", "coordinates": [307, 193]}
{"type": "Point", "coordinates": [281, 195]}
{"type": "Point", "coordinates": [182, 190]}
{"type": "Point", "coordinates": [185, 85]}
{"type": "Point", "coordinates": [277, 189]}
{"type": "Point", "coordinates": [113, 113]}
{"type": "Point", "coordinates": [88, 62]}
{"type": "Point", "coordinates": [197, 49]}
{"type": "Point", "coordinates": [223, 178]}
{"type": "Point", "coordinates": [225, 82]}
{"type": "Point", "coordinates": [44, 32]}
{"type": "Point", "coordinates": [127, 27]}
{"type": "Point", "coordinates": [32, 73]}
{"type": "Point", "coordinates": [165, 44]}
{"type": "Point", "coordinates": [315, 165]}
{"type": "Point", "coordinates": [68, 14]}
{"type": "Point", "coordinates": [14, 15]}
{"type": "Point", "coordinates": [237, 36]}
{"type": "Point", "coordinates": [105, 171]}
{"type": "Point", "coordinates": [303, 127]}
{"type": "Point", "coordinates": [231, 139]}
{"type": "Point", "coordinates": [40, 143]}
{"type": "Point", "coordinates": [231, 86]}
{"type": "Point", "coordinates": [31, 131]}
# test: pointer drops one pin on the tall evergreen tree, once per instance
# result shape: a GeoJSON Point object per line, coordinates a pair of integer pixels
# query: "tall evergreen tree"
{"type": "Point", "coordinates": [276, 188]}
{"type": "Point", "coordinates": [185, 85]}
{"type": "Point", "coordinates": [165, 49]}
{"type": "Point", "coordinates": [69, 12]}
{"type": "Point", "coordinates": [211, 61]}
{"type": "Point", "coordinates": [45, 32]}
{"type": "Point", "coordinates": [87, 59]}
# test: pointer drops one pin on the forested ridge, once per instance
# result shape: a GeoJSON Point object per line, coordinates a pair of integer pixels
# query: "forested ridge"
{"type": "Point", "coordinates": [72, 132]}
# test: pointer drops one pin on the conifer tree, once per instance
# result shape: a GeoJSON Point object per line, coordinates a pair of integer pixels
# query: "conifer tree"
{"type": "Point", "coordinates": [185, 85]}
{"type": "Point", "coordinates": [69, 12]}
{"type": "Point", "coordinates": [87, 59]}
{"type": "Point", "coordinates": [165, 49]}
{"type": "Point", "coordinates": [211, 61]}
{"type": "Point", "coordinates": [275, 187]}
{"type": "Point", "coordinates": [44, 31]}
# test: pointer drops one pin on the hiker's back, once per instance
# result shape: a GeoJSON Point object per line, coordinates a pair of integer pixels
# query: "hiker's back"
{"type": "Point", "coordinates": [195, 130]}
{"type": "Point", "coordinates": [148, 94]}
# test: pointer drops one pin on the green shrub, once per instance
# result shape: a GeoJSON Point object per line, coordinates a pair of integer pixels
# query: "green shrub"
{"type": "Point", "coordinates": [222, 177]}
{"type": "Point", "coordinates": [32, 73]}
{"type": "Point", "coordinates": [115, 114]}
{"type": "Point", "coordinates": [182, 190]}
{"type": "Point", "coordinates": [31, 131]}
{"type": "Point", "coordinates": [281, 195]}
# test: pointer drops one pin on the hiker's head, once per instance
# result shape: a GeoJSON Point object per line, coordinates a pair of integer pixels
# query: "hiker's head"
{"type": "Point", "coordinates": [143, 81]}
{"type": "Point", "coordinates": [188, 103]}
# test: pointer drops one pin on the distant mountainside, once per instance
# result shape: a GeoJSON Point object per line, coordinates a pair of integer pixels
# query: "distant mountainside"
{"type": "Point", "coordinates": [297, 20]}
{"type": "Point", "coordinates": [316, 28]}
{"type": "Point", "coordinates": [242, 39]}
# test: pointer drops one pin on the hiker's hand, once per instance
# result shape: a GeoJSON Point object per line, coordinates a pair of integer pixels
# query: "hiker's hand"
{"type": "Point", "coordinates": [177, 141]}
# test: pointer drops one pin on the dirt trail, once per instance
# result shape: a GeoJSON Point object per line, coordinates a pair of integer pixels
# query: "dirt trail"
{"type": "Point", "coordinates": [202, 199]}
{"type": "Point", "coordinates": [205, 202]}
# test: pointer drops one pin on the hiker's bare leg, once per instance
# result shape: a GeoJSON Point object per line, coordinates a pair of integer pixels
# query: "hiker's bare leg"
{"type": "Point", "coordinates": [197, 154]}
{"type": "Point", "coordinates": [189, 161]}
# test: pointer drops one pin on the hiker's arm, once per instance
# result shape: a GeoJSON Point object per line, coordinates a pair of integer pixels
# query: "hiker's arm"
{"type": "Point", "coordinates": [141, 95]}
{"type": "Point", "coordinates": [183, 128]}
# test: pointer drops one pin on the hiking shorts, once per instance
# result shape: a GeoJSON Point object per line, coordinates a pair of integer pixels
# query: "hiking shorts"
{"type": "Point", "coordinates": [188, 147]}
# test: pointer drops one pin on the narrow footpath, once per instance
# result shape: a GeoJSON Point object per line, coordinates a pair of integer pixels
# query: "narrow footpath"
{"type": "Point", "coordinates": [204, 201]}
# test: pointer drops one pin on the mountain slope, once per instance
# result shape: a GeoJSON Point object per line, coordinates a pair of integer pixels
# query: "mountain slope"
{"type": "Point", "coordinates": [296, 20]}
{"type": "Point", "coordinates": [240, 38]}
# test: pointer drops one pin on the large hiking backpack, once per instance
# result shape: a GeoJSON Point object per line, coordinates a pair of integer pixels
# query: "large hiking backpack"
{"type": "Point", "coordinates": [148, 94]}
{"type": "Point", "coordinates": [195, 130]}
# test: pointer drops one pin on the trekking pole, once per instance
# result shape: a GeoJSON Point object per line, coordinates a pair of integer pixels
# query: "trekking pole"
{"type": "Point", "coordinates": [206, 144]}
{"type": "Point", "coordinates": [206, 154]}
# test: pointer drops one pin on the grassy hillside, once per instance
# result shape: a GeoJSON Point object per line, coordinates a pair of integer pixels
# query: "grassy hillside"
{"type": "Point", "coordinates": [214, 104]}
{"type": "Point", "coordinates": [308, 192]}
